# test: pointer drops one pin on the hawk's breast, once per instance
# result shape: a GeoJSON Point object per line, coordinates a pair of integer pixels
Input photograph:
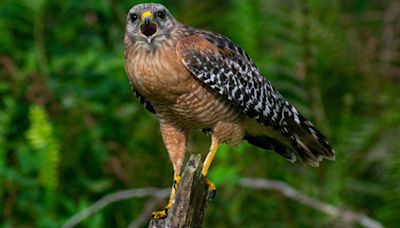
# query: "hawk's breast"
{"type": "Point", "coordinates": [176, 95]}
{"type": "Point", "coordinates": [157, 74]}
{"type": "Point", "coordinates": [199, 107]}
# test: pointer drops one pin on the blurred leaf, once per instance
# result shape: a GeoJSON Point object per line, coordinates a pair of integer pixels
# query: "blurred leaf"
{"type": "Point", "coordinates": [42, 140]}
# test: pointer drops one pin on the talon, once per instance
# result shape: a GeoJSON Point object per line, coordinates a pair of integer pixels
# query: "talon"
{"type": "Point", "coordinates": [211, 195]}
{"type": "Point", "coordinates": [160, 214]}
{"type": "Point", "coordinates": [212, 190]}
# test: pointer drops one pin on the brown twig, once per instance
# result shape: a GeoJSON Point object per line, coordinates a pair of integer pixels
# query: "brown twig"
{"type": "Point", "coordinates": [144, 216]}
{"type": "Point", "coordinates": [290, 192]}
{"type": "Point", "coordinates": [112, 198]}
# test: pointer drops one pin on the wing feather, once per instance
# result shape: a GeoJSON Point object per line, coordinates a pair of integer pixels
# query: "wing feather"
{"type": "Point", "coordinates": [144, 102]}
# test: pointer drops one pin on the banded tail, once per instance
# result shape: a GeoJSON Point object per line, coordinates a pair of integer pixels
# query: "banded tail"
{"type": "Point", "coordinates": [301, 139]}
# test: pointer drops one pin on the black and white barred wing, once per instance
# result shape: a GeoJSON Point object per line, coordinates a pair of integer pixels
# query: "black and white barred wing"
{"type": "Point", "coordinates": [227, 69]}
{"type": "Point", "coordinates": [228, 73]}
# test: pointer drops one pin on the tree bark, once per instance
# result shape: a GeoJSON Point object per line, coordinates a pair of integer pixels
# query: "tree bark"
{"type": "Point", "coordinates": [190, 201]}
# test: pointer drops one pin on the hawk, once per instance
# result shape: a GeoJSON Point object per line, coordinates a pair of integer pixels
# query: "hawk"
{"type": "Point", "coordinates": [196, 79]}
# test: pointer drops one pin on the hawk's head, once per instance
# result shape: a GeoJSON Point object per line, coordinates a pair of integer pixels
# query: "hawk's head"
{"type": "Point", "coordinates": [149, 23]}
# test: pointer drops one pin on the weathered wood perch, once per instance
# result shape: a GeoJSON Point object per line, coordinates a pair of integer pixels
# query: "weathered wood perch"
{"type": "Point", "coordinates": [190, 201]}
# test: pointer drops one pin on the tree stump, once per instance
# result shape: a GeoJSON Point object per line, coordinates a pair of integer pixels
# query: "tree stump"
{"type": "Point", "coordinates": [190, 201]}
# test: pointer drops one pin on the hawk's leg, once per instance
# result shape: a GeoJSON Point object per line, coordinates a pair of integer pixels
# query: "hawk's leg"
{"type": "Point", "coordinates": [164, 213]}
{"type": "Point", "coordinates": [207, 162]}
{"type": "Point", "coordinates": [175, 141]}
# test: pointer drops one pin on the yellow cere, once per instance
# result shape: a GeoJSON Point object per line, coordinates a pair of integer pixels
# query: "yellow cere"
{"type": "Point", "coordinates": [147, 14]}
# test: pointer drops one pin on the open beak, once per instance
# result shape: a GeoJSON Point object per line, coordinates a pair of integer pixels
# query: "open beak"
{"type": "Point", "coordinates": [148, 26]}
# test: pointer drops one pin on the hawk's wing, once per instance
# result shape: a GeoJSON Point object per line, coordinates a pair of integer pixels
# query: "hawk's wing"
{"type": "Point", "coordinates": [228, 70]}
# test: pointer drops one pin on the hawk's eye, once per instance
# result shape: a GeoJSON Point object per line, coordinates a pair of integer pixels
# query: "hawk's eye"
{"type": "Point", "coordinates": [161, 14]}
{"type": "Point", "coordinates": [133, 17]}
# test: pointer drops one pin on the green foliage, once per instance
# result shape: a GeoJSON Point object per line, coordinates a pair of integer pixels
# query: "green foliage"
{"type": "Point", "coordinates": [71, 131]}
{"type": "Point", "coordinates": [41, 138]}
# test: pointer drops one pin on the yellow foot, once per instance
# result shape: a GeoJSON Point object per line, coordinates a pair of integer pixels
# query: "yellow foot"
{"type": "Point", "coordinates": [160, 214]}
{"type": "Point", "coordinates": [212, 190]}
{"type": "Point", "coordinates": [164, 213]}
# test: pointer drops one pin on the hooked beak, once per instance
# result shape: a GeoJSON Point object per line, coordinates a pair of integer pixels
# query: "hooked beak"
{"type": "Point", "coordinates": [147, 20]}
{"type": "Point", "coordinates": [148, 27]}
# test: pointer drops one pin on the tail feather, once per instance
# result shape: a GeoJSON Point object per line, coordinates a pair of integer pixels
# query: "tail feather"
{"type": "Point", "coordinates": [311, 145]}
{"type": "Point", "coordinates": [304, 141]}
{"type": "Point", "coordinates": [268, 143]}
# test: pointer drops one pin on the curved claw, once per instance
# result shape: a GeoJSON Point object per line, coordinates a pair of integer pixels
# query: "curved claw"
{"type": "Point", "coordinates": [212, 190]}
{"type": "Point", "coordinates": [211, 195]}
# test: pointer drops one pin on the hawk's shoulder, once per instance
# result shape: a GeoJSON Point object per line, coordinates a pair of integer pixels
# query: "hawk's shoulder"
{"type": "Point", "coordinates": [219, 41]}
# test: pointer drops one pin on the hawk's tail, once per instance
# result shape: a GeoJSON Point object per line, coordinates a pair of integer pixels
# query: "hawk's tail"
{"type": "Point", "coordinates": [309, 143]}
{"type": "Point", "coordinates": [306, 142]}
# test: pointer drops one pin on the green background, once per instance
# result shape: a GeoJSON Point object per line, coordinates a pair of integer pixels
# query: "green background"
{"type": "Point", "coordinates": [71, 131]}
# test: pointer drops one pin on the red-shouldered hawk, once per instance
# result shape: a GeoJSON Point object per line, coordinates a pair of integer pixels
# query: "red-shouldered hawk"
{"type": "Point", "coordinates": [195, 79]}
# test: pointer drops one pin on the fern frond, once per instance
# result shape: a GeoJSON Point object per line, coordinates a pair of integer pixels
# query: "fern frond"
{"type": "Point", "coordinates": [42, 140]}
